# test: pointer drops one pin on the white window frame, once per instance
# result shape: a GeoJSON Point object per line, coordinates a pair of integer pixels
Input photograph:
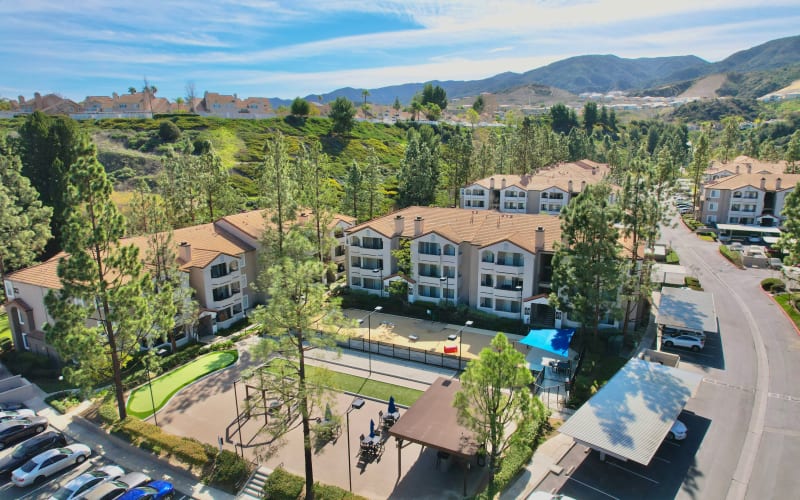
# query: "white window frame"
{"type": "Point", "coordinates": [20, 316]}
{"type": "Point", "coordinates": [25, 341]}
{"type": "Point", "coordinates": [9, 290]}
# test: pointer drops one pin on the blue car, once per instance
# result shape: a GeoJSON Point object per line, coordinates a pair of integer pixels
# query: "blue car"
{"type": "Point", "coordinates": [156, 490]}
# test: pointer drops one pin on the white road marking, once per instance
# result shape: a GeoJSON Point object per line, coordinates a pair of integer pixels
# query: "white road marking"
{"type": "Point", "coordinates": [592, 488]}
{"type": "Point", "coordinates": [634, 473]}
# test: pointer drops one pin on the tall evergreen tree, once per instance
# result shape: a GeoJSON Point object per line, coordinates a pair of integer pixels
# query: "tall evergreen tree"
{"type": "Point", "coordinates": [419, 169]}
{"type": "Point", "coordinates": [24, 221]}
{"type": "Point", "coordinates": [352, 189]}
{"type": "Point", "coordinates": [590, 117]}
{"type": "Point", "coordinates": [107, 307]}
{"type": "Point", "coordinates": [278, 187]}
{"type": "Point", "coordinates": [458, 163]}
{"type": "Point", "coordinates": [299, 314]}
{"type": "Point", "coordinates": [372, 185]}
{"type": "Point", "coordinates": [587, 271]}
{"type": "Point", "coordinates": [701, 158]}
{"type": "Point", "coordinates": [319, 193]}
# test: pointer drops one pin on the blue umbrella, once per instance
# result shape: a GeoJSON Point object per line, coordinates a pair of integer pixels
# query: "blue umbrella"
{"type": "Point", "coordinates": [371, 428]}
{"type": "Point", "coordinates": [392, 407]}
{"type": "Point", "coordinates": [328, 414]}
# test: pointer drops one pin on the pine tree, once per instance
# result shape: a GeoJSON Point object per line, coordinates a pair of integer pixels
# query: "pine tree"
{"type": "Point", "coordinates": [107, 307]}
{"type": "Point", "coordinates": [319, 194]}
{"type": "Point", "coordinates": [419, 169]}
{"type": "Point", "coordinates": [278, 188]}
{"type": "Point", "coordinates": [24, 221]}
{"type": "Point", "coordinates": [587, 268]}
{"type": "Point", "coordinates": [299, 314]}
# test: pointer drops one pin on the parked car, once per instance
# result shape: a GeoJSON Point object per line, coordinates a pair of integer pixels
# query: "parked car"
{"type": "Point", "coordinates": [48, 463]}
{"type": "Point", "coordinates": [29, 449]}
{"type": "Point", "coordinates": [16, 414]}
{"type": "Point", "coordinates": [86, 482]}
{"type": "Point", "coordinates": [775, 263]}
{"type": "Point", "coordinates": [155, 490]}
{"type": "Point", "coordinates": [677, 432]}
{"type": "Point", "coordinates": [14, 431]}
{"type": "Point", "coordinates": [669, 331]}
{"type": "Point", "coordinates": [687, 341]}
{"type": "Point", "coordinates": [10, 405]}
{"type": "Point", "coordinates": [115, 489]}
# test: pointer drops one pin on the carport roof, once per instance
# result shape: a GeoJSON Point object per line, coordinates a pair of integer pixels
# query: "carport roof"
{"type": "Point", "coordinates": [631, 415]}
{"type": "Point", "coordinates": [687, 309]}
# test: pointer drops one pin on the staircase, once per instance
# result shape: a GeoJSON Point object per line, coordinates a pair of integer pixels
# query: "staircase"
{"type": "Point", "coordinates": [254, 488]}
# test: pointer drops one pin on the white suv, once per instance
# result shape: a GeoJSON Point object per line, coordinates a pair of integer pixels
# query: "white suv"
{"type": "Point", "coordinates": [686, 341]}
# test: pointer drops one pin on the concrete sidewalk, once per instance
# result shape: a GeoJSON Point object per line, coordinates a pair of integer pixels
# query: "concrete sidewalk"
{"type": "Point", "coordinates": [129, 457]}
{"type": "Point", "coordinates": [545, 460]}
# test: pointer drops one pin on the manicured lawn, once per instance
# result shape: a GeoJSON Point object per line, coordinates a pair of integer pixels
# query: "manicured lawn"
{"type": "Point", "coordinates": [367, 387]}
{"type": "Point", "coordinates": [165, 386]}
{"type": "Point", "coordinates": [5, 329]}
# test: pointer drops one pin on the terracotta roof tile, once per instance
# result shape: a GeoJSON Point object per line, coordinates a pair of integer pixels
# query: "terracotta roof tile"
{"type": "Point", "coordinates": [739, 181]}
{"type": "Point", "coordinates": [557, 175]}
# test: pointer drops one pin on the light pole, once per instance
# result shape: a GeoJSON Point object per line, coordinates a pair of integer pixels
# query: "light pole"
{"type": "Point", "coordinates": [349, 464]}
{"type": "Point", "coordinates": [150, 386]}
{"type": "Point", "coordinates": [379, 271]}
{"type": "Point", "coordinates": [521, 327]}
{"type": "Point", "coordinates": [369, 334]}
{"type": "Point", "coordinates": [446, 280]}
{"type": "Point", "coordinates": [238, 416]}
{"type": "Point", "coordinates": [461, 341]}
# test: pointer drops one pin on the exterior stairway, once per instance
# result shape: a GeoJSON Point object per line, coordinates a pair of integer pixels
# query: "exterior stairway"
{"type": "Point", "coordinates": [254, 488]}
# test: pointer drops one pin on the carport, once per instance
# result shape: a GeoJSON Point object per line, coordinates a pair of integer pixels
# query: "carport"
{"type": "Point", "coordinates": [685, 309]}
{"type": "Point", "coordinates": [631, 415]}
{"type": "Point", "coordinates": [432, 421]}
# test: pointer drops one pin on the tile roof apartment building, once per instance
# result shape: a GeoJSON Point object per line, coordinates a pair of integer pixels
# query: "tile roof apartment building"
{"type": "Point", "coordinates": [219, 260]}
{"type": "Point", "coordinates": [545, 192]}
{"type": "Point", "coordinates": [495, 262]}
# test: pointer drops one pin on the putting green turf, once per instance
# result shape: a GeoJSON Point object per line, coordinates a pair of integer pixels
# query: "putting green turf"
{"type": "Point", "coordinates": [164, 387]}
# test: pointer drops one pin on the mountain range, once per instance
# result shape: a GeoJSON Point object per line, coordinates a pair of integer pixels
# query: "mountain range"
{"type": "Point", "coordinates": [593, 73]}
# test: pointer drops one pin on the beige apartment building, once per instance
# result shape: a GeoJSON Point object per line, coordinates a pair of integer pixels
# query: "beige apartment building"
{"type": "Point", "coordinates": [755, 199]}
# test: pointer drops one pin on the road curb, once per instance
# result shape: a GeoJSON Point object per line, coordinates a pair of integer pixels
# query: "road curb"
{"type": "Point", "coordinates": [780, 307]}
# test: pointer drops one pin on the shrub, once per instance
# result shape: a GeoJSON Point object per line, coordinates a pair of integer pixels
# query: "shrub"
{"type": "Point", "coordinates": [229, 471]}
{"type": "Point", "coordinates": [672, 257]}
{"type": "Point", "coordinates": [732, 255]}
{"type": "Point", "coordinates": [63, 401]}
{"type": "Point", "coordinates": [168, 131]}
{"type": "Point", "coordinates": [281, 485]}
{"type": "Point", "coordinates": [234, 328]}
{"type": "Point", "coordinates": [773, 285]}
{"type": "Point", "coordinates": [187, 450]}
{"type": "Point", "coordinates": [217, 346]}
{"type": "Point", "coordinates": [328, 492]}
{"type": "Point", "coordinates": [108, 411]}
{"type": "Point", "coordinates": [692, 283]}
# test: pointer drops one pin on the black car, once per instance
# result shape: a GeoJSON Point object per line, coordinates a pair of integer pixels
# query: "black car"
{"type": "Point", "coordinates": [6, 406]}
{"type": "Point", "coordinates": [29, 449]}
{"type": "Point", "coordinates": [14, 431]}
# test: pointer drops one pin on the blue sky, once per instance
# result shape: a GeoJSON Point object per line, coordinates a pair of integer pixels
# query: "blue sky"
{"type": "Point", "coordinates": [276, 48]}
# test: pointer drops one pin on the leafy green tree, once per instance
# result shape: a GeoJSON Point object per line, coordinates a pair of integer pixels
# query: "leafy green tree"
{"type": "Point", "coordinates": [416, 107]}
{"type": "Point", "coordinates": [48, 147]}
{"type": "Point", "coordinates": [701, 158]}
{"type": "Point", "coordinates": [319, 193]}
{"type": "Point", "coordinates": [213, 183]}
{"type": "Point", "coordinates": [494, 396]}
{"type": "Point", "coordinates": [792, 155]}
{"type": "Point", "coordinates": [479, 105]}
{"type": "Point", "coordinates": [24, 221]}
{"type": "Point", "coordinates": [432, 111]}
{"type": "Point", "coordinates": [731, 136]}
{"type": "Point", "coordinates": [107, 307]}
{"type": "Point", "coordinates": [397, 106]}
{"type": "Point", "coordinates": [402, 255]}
{"type": "Point", "coordinates": [343, 115]}
{"type": "Point", "coordinates": [300, 313]}
{"type": "Point", "coordinates": [300, 107]}
{"type": "Point", "coordinates": [457, 170]}
{"type": "Point", "coordinates": [789, 240]}
{"type": "Point", "coordinates": [473, 117]}
{"type": "Point", "coordinates": [587, 271]}
{"type": "Point", "coordinates": [562, 119]}
{"type": "Point", "coordinates": [434, 95]}
{"type": "Point", "coordinates": [178, 189]}
{"type": "Point", "coordinates": [419, 169]}
{"type": "Point", "coordinates": [372, 180]}
{"type": "Point", "coordinates": [168, 131]}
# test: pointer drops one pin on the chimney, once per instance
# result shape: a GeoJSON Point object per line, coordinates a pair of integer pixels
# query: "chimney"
{"type": "Point", "coordinates": [749, 168]}
{"type": "Point", "coordinates": [399, 225]}
{"type": "Point", "coordinates": [491, 183]}
{"type": "Point", "coordinates": [594, 170]}
{"type": "Point", "coordinates": [418, 226]}
{"type": "Point", "coordinates": [569, 186]}
{"type": "Point", "coordinates": [763, 183]}
{"type": "Point", "coordinates": [503, 183]}
{"type": "Point", "coordinates": [778, 184]}
{"type": "Point", "coordinates": [583, 186]}
{"type": "Point", "coordinates": [737, 169]}
{"type": "Point", "coordinates": [539, 238]}
{"type": "Point", "coordinates": [185, 252]}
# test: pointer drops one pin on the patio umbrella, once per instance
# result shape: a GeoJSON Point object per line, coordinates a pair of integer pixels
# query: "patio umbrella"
{"type": "Point", "coordinates": [392, 407]}
{"type": "Point", "coordinates": [328, 414]}
{"type": "Point", "coordinates": [371, 428]}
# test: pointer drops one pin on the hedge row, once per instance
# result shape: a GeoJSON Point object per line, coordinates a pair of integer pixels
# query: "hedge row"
{"type": "Point", "coordinates": [732, 255]}
{"type": "Point", "coordinates": [282, 485]}
{"type": "Point", "coordinates": [149, 436]}
{"type": "Point", "coordinates": [773, 285]}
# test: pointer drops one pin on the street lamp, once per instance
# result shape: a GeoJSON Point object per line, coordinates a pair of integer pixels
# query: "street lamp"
{"type": "Point", "coordinates": [379, 270]}
{"type": "Point", "coordinates": [369, 333]}
{"type": "Point", "coordinates": [150, 386]}
{"type": "Point", "coordinates": [461, 341]}
{"type": "Point", "coordinates": [349, 464]}
{"type": "Point", "coordinates": [446, 280]}
{"type": "Point", "coordinates": [521, 327]}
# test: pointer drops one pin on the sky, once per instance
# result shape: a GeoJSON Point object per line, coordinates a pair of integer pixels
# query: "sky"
{"type": "Point", "coordinates": [277, 48]}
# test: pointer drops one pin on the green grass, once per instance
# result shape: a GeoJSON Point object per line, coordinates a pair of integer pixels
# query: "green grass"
{"type": "Point", "coordinates": [732, 255]}
{"type": "Point", "coordinates": [5, 330]}
{"type": "Point", "coordinates": [785, 301]}
{"type": "Point", "coordinates": [165, 386]}
{"type": "Point", "coordinates": [598, 367]}
{"type": "Point", "coordinates": [367, 387]}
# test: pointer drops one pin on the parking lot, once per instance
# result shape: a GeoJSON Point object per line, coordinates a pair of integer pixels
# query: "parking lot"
{"type": "Point", "coordinates": [711, 356]}
{"type": "Point", "coordinates": [9, 491]}
{"type": "Point", "coordinates": [585, 476]}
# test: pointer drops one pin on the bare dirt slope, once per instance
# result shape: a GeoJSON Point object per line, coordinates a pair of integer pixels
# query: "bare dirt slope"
{"type": "Point", "coordinates": [705, 87]}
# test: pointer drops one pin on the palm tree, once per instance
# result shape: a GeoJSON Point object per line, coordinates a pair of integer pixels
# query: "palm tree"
{"type": "Point", "coordinates": [364, 94]}
{"type": "Point", "coordinates": [131, 90]}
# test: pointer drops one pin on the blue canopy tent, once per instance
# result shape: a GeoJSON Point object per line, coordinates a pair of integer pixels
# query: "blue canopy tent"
{"type": "Point", "coordinates": [547, 344]}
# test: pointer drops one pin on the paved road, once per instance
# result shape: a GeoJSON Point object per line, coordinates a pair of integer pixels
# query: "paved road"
{"type": "Point", "coordinates": [753, 443]}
